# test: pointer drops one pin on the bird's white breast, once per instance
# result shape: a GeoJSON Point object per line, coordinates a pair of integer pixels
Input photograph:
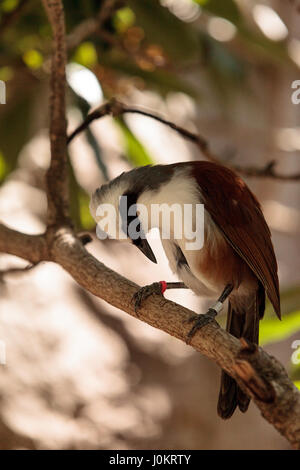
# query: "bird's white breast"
{"type": "Point", "coordinates": [182, 189]}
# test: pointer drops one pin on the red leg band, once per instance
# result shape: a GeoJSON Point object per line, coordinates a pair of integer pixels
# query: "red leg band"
{"type": "Point", "coordinates": [163, 286]}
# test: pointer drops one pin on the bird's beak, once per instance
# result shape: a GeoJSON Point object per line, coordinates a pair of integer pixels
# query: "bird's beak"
{"type": "Point", "coordinates": [143, 245]}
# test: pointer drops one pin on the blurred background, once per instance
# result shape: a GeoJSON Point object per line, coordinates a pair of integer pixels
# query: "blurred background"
{"type": "Point", "coordinates": [79, 373]}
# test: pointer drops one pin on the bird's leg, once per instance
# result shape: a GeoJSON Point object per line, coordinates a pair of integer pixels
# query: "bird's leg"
{"type": "Point", "coordinates": [203, 319]}
{"type": "Point", "coordinates": [155, 288]}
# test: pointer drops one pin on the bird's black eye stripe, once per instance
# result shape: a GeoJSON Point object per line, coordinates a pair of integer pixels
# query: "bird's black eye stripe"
{"type": "Point", "coordinates": [180, 258]}
{"type": "Point", "coordinates": [127, 200]}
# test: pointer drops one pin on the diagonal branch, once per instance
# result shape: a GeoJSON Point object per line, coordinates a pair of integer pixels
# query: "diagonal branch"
{"type": "Point", "coordinates": [33, 248]}
{"type": "Point", "coordinates": [261, 376]}
{"type": "Point", "coordinates": [116, 108]}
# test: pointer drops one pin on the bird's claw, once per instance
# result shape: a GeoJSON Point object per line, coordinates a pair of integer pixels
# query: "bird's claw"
{"type": "Point", "coordinates": [144, 292]}
{"type": "Point", "coordinates": [200, 321]}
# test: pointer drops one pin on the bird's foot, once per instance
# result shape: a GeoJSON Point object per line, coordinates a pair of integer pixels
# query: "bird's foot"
{"type": "Point", "coordinates": [200, 321]}
{"type": "Point", "coordinates": [145, 292]}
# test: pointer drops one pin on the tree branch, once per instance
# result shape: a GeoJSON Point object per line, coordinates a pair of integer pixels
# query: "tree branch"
{"type": "Point", "coordinates": [57, 177]}
{"type": "Point", "coordinates": [261, 376]}
{"type": "Point", "coordinates": [116, 108]}
{"type": "Point", "coordinates": [30, 247]}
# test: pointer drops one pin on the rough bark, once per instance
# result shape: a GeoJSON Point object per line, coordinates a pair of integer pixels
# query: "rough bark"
{"type": "Point", "coordinates": [261, 376]}
{"type": "Point", "coordinates": [57, 175]}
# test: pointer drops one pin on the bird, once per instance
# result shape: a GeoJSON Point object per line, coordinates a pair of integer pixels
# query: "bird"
{"type": "Point", "coordinates": [236, 261]}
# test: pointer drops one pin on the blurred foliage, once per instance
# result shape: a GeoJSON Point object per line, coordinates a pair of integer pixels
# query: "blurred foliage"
{"type": "Point", "coordinates": [227, 9]}
{"type": "Point", "coordinates": [93, 142]}
{"type": "Point", "coordinates": [144, 42]}
{"type": "Point", "coordinates": [178, 39]}
{"type": "Point", "coordinates": [289, 299]}
{"type": "Point", "coordinates": [33, 58]}
{"type": "Point", "coordinates": [295, 368]}
{"type": "Point", "coordinates": [123, 19]}
{"type": "Point", "coordinates": [135, 151]}
{"type": "Point", "coordinates": [79, 206]}
{"type": "Point", "coordinates": [160, 80]}
{"type": "Point", "coordinates": [271, 330]}
{"type": "Point", "coordinates": [86, 54]}
{"type": "Point", "coordinates": [254, 40]}
{"type": "Point", "coordinates": [143, 45]}
{"type": "Point", "coordinates": [3, 167]}
{"type": "Point", "coordinates": [86, 220]}
{"type": "Point", "coordinates": [16, 117]}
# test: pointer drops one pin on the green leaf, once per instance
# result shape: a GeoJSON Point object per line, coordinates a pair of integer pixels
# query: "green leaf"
{"type": "Point", "coordinates": [224, 8]}
{"type": "Point", "coordinates": [9, 5]}
{"type": "Point", "coordinates": [289, 300]}
{"type": "Point", "coordinates": [263, 47]}
{"type": "Point", "coordinates": [33, 59]}
{"type": "Point", "coordinates": [123, 19]}
{"type": "Point", "coordinates": [295, 368]}
{"type": "Point", "coordinates": [3, 167]}
{"type": "Point", "coordinates": [86, 54]}
{"type": "Point", "coordinates": [271, 330]}
{"type": "Point", "coordinates": [6, 73]}
{"type": "Point", "coordinates": [297, 384]}
{"type": "Point", "coordinates": [79, 203]}
{"type": "Point", "coordinates": [135, 151]}
{"type": "Point", "coordinates": [97, 152]}
{"type": "Point", "coordinates": [86, 220]}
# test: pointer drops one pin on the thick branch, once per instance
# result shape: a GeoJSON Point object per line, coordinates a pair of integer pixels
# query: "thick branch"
{"type": "Point", "coordinates": [261, 376]}
{"type": "Point", "coordinates": [30, 247]}
{"type": "Point", "coordinates": [115, 108]}
{"type": "Point", "coordinates": [57, 178]}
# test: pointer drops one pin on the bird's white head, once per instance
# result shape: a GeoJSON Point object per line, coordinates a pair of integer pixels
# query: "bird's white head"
{"type": "Point", "coordinates": [123, 208]}
{"type": "Point", "coordinates": [114, 205]}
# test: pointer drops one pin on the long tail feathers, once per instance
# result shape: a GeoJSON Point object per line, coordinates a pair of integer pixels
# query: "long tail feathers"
{"type": "Point", "coordinates": [246, 325]}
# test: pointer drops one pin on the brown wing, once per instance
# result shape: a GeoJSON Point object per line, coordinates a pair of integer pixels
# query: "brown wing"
{"type": "Point", "coordinates": [237, 213]}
